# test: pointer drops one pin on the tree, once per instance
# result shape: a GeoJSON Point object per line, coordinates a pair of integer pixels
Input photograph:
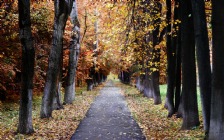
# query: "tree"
{"type": "Point", "coordinates": [62, 10]}
{"type": "Point", "coordinates": [216, 131]}
{"type": "Point", "coordinates": [94, 74]}
{"type": "Point", "coordinates": [189, 95]}
{"type": "Point", "coordinates": [145, 18]}
{"type": "Point", "coordinates": [173, 59]}
{"type": "Point", "coordinates": [156, 51]}
{"type": "Point", "coordinates": [28, 54]}
{"type": "Point", "coordinates": [176, 41]}
{"type": "Point", "coordinates": [203, 58]}
{"type": "Point", "coordinates": [73, 56]}
{"type": "Point", "coordinates": [170, 64]}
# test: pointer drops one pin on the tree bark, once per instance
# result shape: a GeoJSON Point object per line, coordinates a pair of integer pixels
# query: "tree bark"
{"type": "Point", "coordinates": [62, 9]}
{"type": "Point", "coordinates": [147, 83]}
{"type": "Point", "coordinates": [73, 57]}
{"type": "Point", "coordinates": [57, 103]}
{"type": "Point", "coordinates": [178, 73]}
{"type": "Point", "coordinates": [203, 58]}
{"type": "Point", "coordinates": [189, 94]}
{"type": "Point", "coordinates": [169, 104]}
{"type": "Point", "coordinates": [28, 54]}
{"type": "Point", "coordinates": [216, 131]}
{"type": "Point", "coordinates": [177, 43]}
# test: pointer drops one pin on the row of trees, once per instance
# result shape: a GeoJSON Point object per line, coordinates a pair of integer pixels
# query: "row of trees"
{"type": "Point", "coordinates": [138, 48]}
{"type": "Point", "coordinates": [55, 76]}
{"type": "Point", "coordinates": [186, 33]}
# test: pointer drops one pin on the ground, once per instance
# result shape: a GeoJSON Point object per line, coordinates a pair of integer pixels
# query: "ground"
{"type": "Point", "coordinates": [109, 118]}
{"type": "Point", "coordinates": [152, 119]}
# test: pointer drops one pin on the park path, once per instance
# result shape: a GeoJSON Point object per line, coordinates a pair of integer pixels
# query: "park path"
{"type": "Point", "coordinates": [108, 118]}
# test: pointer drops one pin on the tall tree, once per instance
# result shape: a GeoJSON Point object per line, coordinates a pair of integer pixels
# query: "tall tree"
{"type": "Point", "coordinates": [156, 50]}
{"type": "Point", "coordinates": [28, 53]}
{"type": "Point", "coordinates": [62, 10]}
{"type": "Point", "coordinates": [93, 80]}
{"type": "Point", "coordinates": [170, 63]}
{"type": "Point", "coordinates": [150, 48]}
{"type": "Point", "coordinates": [189, 95]}
{"type": "Point", "coordinates": [176, 42]}
{"type": "Point", "coordinates": [73, 56]}
{"type": "Point", "coordinates": [216, 131]}
{"type": "Point", "coordinates": [203, 58]}
{"type": "Point", "coordinates": [173, 59]}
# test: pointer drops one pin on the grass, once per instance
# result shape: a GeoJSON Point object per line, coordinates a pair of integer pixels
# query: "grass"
{"type": "Point", "coordinates": [62, 124]}
{"type": "Point", "coordinates": [163, 89]}
{"type": "Point", "coordinates": [153, 118]}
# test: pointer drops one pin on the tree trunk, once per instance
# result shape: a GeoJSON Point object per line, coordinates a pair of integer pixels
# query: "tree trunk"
{"type": "Point", "coordinates": [156, 52]}
{"type": "Point", "coordinates": [62, 9]}
{"type": "Point", "coordinates": [178, 74]}
{"type": "Point", "coordinates": [216, 131]}
{"type": "Point", "coordinates": [189, 94]}
{"type": "Point", "coordinates": [57, 103]}
{"type": "Point", "coordinates": [177, 43]}
{"type": "Point", "coordinates": [89, 84]}
{"type": "Point", "coordinates": [147, 86]}
{"type": "Point", "coordinates": [28, 54]}
{"type": "Point", "coordinates": [155, 83]}
{"type": "Point", "coordinates": [169, 104]}
{"type": "Point", "coordinates": [203, 58]}
{"type": "Point", "coordinates": [73, 57]}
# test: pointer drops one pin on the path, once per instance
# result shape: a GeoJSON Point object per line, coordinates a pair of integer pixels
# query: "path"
{"type": "Point", "coordinates": [108, 119]}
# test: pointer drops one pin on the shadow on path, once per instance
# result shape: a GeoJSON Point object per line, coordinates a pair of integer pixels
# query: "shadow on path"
{"type": "Point", "coordinates": [108, 118]}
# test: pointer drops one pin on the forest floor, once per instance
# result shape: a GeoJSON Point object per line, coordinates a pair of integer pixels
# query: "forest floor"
{"type": "Point", "coordinates": [62, 124]}
{"type": "Point", "coordinates": [151, 118]}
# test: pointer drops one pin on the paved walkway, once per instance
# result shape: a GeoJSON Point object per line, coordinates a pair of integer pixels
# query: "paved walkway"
{"type": "Point", "coordinates": [108, 119]}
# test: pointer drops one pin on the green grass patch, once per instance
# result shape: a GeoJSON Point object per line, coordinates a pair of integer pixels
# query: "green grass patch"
{"type": "Point", "coordinates": [163, 90]}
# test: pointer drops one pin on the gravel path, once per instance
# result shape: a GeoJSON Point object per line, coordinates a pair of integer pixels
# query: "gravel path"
{"type": "Point", "coordinates": [108, 118]}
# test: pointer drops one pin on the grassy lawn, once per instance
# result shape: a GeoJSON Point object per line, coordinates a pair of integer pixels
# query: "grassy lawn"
{"type": "Point", "coordinates": [153, 118]}
{"type": "Point", "coordinates": [62, 124]}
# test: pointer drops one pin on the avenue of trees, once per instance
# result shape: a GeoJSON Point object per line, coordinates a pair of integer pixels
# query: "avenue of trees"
{"type": "Point", "coordinates": [187, 44]}
{"type": "Point", "coordinates": [159, 38]}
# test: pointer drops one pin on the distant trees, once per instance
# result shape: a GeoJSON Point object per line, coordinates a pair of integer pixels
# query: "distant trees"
{"type": "Point", "coordinates": [25, 125]}
{"type": "Point", "coordinates": [97, 74]}
{"type": "Point", "coordinates": [146, 41]}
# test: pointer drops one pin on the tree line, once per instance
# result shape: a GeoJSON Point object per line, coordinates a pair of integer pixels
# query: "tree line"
{"type": "Point", "coordinates": [187, 44]}
{"type": "Point", "coordinates": [185, 30]}
{"type": "Point", "coordinates": [52, 90]}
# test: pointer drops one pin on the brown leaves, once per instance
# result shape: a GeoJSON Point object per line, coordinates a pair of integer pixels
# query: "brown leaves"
{"type": "Point", "coordinates": [153, 118]}
{"type": "Point", "coordinates": [62, 124]}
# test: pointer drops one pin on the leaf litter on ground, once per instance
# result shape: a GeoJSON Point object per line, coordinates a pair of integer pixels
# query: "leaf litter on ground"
{"type": "Point", "coordinates": [153, 118]}
{"type": "Point", "coordinates": [61, 126]}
